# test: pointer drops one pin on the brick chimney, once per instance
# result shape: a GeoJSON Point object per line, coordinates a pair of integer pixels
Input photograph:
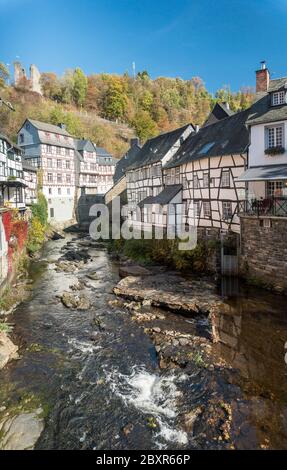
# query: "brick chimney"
{"type": "Point", "coordinates": [262, 78]}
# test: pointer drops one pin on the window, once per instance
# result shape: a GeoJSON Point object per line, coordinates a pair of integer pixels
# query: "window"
{"type": "Point", "coordinates": [58, 150]}
{"type": "Point", "coordinates": [21, 138]}
{"type": "Point", "coordinates": [59, 191]}
{"type": "Point", "coordinates": [205, 180]}
{"type": "Point", "coordinates": [52, 215]}
{"type": "Point", "coordinates": [68, 191]}
{"type": "Point", "coordinates": [50, 177]}
{"type": "Point", "coordinates": [278, 98]}
{"type": "Point", "coordinates": [196, 209]}
{"type": "Point", "coordinates": [177, 175]}
{"type": "Point", "coordinates": [206, 148]}
{"type": "Point", "coordinates": [226, 210]}
{"type": "Point", "coordinates": [59, 178]}
{"type": "Point", "coordinates": [68, 178]}
{"type": "Point", "coordinates": [225, 179]}
{"type": "Point", "coordinates": [49, 163]}
{"type": "Point", "coordinates": [59, 163]}
{"type": "Point", "coordinates": [274, 136]}
{"type": "Point", "coordinates": [275, 188]}
{"type": "Point", "coordinates": [50, 191]}
{"type": "Point", "coordinates": [195, 182]}
{"type": "Point", "coordinates": [49, 148]}
{"type": "Point", "coordinates": [67, 151]}
{"type": "Point", "coordinates": [206, 209]}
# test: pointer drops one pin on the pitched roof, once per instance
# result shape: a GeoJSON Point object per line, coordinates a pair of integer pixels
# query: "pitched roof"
{"type": "Point", "coordinates": [262, 111]}
{"type": "Point", "coordinates": [101, 152]}
{"type": "Point", "coordinates": [128, 159]}
{"type": "Point", "coordinates": [44, 126]}
{"type": "Point", "coordinates": [163, 198]}
{"type": "Point", "coordinates": [155, 149]}
{"type": "Point", "coordinates": [225, 137]}
{"type": "Point", "coordinates": [220, 111]}
{"type": "Point", "coordinates": [84, 144]}
{"type": "Point", "coordinates": [277, 84]}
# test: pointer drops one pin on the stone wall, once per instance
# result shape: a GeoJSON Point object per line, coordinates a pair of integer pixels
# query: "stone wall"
{"type": "Point", "coordinates": [263, 258]}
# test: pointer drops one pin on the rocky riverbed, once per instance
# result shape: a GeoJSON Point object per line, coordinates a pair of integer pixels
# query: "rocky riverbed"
{"type": "Point", "coordinates": [118, 356]}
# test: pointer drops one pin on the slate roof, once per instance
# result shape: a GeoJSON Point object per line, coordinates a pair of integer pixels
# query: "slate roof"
{"type": "Point", "coordinates": [156, 148]}
{"type": "Point", "coordinates": [15, 146]}
{"type": "Point", "coordinates": [262, 111]}
{"type": "Point", "coordinates": [163, 198]}
{"type": "Point", "coordinates": [128, 159]}
{"type": "Point", "coordinates": [44, 126]}
{"type": "Point", "coordinates": [101, 152]}
{"type": "Point", "coordinates": [220, 111]}
{"type": "Point", "coordinates": [277, 84]}
{"type": "Point", "coordinates": [225, 137]}
{"type": "Point", "coordinates": [84, 145]}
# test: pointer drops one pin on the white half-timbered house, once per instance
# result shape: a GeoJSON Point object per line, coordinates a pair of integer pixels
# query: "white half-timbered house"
{"type": "Point", "coordinates": [145, 176]}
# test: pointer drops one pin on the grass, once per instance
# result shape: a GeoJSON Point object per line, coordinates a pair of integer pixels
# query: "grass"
{"type": "Point", "coordinates": [6, 328]}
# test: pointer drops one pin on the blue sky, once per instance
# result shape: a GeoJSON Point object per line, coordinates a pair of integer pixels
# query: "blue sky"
{"type": "Point", "coordinates": [222, 41]}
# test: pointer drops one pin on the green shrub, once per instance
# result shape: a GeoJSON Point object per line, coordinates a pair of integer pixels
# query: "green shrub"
{"type": "Point", "coordinates": [40, 209]}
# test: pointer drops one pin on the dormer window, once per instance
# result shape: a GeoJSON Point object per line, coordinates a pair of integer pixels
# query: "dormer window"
{"type": "Point", "coordinates": [278, 98]}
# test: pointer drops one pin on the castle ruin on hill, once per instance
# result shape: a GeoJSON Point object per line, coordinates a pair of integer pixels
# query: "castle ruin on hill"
{"type": "Point", "coordinates": [21, 79]}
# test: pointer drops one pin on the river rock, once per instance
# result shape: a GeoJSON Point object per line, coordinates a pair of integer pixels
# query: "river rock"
{"type": "Point", "coordinates": [93, 276]}
{"type": "Point", "coordinates": [125, 271]}
{"type": "Point", "coordinates": [8, 350]}
{"type": "Point", "coordinates": [56, 236]}
{"type": "Point", "coordinates": [76, 256]}
{"type": "Point", "coordinates": [21, 432]}
{"type": "Point", "coordinates": [79, 302]}
{"type": "Point", "coordinates": [183, 341]}
{"type": "Point", "coordinates": [167, 291]}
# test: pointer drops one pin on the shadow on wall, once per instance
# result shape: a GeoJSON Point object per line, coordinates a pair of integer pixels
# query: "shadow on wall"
{"type": "Point", "coordinates": [85, 202]}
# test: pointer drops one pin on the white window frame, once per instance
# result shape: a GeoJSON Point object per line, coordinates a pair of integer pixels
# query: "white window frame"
{"type": "Point", "coordinates": [227, 210]}
{"type": "Point", "coordinates": [225, 179]}
{"type": "Point", "coordinates": [278, 98]}
{"type": "Point", "coordinates": [272, 136]}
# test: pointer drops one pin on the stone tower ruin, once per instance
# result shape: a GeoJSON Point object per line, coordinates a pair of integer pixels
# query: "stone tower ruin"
{"type": "Point", "coordinates": [33, 82]}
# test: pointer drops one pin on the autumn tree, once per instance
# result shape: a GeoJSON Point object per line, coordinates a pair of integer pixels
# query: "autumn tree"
{"type": "Point", "coordinates": [116, 100]}
{"type": "Point", "coordinates": [4, 74]}
{"type": "Point", "coordinates": [80, 85]}
{"type": "Point", "coordinates": [144, 125]}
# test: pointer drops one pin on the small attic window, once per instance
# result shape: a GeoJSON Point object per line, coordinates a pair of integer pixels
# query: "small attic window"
{"type": "Point", "coordinates": [206, 148]}
{"type": "Point", "coordinates": [279, 97]}
{"type": "Point", "coordinates": [223, 145]}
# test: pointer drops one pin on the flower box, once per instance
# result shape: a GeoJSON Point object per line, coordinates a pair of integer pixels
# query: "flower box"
{"type": "Point", "coordinates": [275, 150]}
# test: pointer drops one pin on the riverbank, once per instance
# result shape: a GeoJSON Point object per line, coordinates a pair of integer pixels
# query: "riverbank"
{"type": "Point", "coordinates": [116, 372]}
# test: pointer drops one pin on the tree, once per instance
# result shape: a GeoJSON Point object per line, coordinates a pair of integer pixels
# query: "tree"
{"type": "Point", "coordinates": [144, 126]}
{"type": "Point", "coordinates": [4, 74]}
{"type": "Point", "coordinates": [116, 100]}
{"type": "Point", "coordinates": [92, 96]}
{"type": "Point", "coordinates": [80, 87]}
{"type": "Point", "coordinates": [51, 86]}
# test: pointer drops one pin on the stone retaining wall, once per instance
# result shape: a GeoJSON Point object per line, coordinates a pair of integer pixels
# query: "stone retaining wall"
{"type": "Point", "coordinates": [263, 257]}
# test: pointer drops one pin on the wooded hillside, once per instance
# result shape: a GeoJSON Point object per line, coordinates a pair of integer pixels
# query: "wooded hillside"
{"type": "Point", "coordinates": [109, 109]}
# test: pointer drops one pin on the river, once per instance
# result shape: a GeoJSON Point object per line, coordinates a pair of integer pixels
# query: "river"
{"type": "Point", "coordinates": [97, 376]}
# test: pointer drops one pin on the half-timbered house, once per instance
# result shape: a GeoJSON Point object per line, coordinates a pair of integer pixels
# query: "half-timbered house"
{"type": "Point", "coordinates": [144, 176]}
{"type": "Point", "coordinates": [207, 166]}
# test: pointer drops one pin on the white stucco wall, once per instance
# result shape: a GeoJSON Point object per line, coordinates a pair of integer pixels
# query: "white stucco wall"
{"type": "Point", "coordinates": [257, 156]}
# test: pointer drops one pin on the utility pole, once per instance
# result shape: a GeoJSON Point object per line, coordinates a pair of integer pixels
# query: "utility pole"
{"type": "Point", "coordinates": [134, 70]}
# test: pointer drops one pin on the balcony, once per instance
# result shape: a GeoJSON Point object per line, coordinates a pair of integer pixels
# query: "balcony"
{"type": "Point", "coordinates": [270, 207]}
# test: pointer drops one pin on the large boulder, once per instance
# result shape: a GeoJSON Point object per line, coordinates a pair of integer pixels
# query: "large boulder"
{"type": "Point", "coordinates": [172, 292]}
{"type": "Point", "coordinates": [21, 432]}
{"type": "Point", "coordinates": [8, 350]}
{"type": "Point", "coordinates": [135, 271]}
{"type": "Point", "coordinates": [79, 302]}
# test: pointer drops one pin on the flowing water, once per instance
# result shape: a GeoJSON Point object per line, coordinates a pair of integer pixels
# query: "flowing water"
{"type": "Point", "coordinates": [96, 372]}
